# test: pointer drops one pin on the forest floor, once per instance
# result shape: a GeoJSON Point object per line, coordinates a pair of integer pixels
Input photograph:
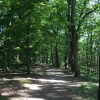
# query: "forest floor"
{"type": "Point", "coordinates": [45, 83]}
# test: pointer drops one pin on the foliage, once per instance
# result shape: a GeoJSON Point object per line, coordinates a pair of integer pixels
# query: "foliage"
{"type": "Point", "coordinates": [37, 31]}
{"type": "Point", "coordinates": [87, 90]}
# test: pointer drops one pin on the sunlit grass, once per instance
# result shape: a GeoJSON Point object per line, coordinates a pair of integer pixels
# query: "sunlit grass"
{"type": "Point", "coordinates": [87, 91]}
{"type": "Point", "coordinates": [93, 77]}
{"type": "Point", "coordinates": [26, 81]}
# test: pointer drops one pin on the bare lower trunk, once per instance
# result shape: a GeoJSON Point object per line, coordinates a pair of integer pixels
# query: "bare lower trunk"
{"type": "Point", "coordinates": [56, 56]}
{"type": "Point", "coordinates": [27, 44]}
{"type": "Point", "coordinates": [65, 60]}
{"type": "Point", "coordinates": [99, 80]}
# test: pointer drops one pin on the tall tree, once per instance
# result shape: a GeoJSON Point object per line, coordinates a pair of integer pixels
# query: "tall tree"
{"type": "Point", "coordinates": [73, 37]}
{"type": "Point", "coordinates": [74, 29]}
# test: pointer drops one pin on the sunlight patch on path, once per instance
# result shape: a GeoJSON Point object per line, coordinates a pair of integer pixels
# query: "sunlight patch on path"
{"type": "Point", "coordinates": [55, 73]}
{"type": "Point", "coordinates": [51, 81]}
{"type": "Point", "coordinates": [74, 85]}
{"type": "Point", "coordinates": [32, 86]}
{"type": "Point", "coordinates": [27, 99]}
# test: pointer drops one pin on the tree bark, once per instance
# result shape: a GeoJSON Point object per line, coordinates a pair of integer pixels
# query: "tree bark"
{"type": "Point", "coordinates": [56, 56]}
{"type": "Point", "coordinates": [65, 58]}
{"type": "Point", "coordinates": [73, 38]}
{"type": "Point", "coordinates": [74, 41]}
{"type": "Point", "coordinates": [27, 44]}
{"type": "Point", "coordinates": [99, 80]}
{"type": "Point", "coordinates": [70, 35]}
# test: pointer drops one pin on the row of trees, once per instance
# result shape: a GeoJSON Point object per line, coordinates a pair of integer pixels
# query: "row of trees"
{"type": "Point", "coordinates": [57, 32]}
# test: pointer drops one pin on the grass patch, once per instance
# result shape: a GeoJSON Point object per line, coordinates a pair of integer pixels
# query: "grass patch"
{"type": "Point", "coordinates": [13, 82]}
{"type": "Point", "coordinates": [87, 91]}
{"type": "Point", "coordinates": [4, 98]}
{"type": "Point", "coordinates": [91, 77]}
{"type": "Point", "coordinates": [26, 81]}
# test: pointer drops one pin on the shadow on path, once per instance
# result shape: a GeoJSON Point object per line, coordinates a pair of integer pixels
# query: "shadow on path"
{"type": "Point", "coordinates": [51, 84]}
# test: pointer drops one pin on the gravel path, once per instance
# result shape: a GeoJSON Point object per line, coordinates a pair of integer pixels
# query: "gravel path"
{"type": "Point", "coordinates": [51, 84]}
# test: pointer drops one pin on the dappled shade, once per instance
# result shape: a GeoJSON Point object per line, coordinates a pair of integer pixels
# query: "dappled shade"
{"type": "Point", "coordinates": [54, 84]}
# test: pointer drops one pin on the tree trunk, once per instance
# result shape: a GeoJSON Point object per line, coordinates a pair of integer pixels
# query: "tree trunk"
{"type": "Point", "coordinates": [51, 56]}
{"type": "Point", "coordinates": [70, 62]}
{"type": "Point", "coordinates": [7, 43]}
{"type": "Point", "coordinates": [65, 58]}
{"type": "Point", "coordinates": [56, 56]}
{"type": "Point", "coordinates": [27, 45]}
{"type": "Point", "coordinates": [99, 80]}
{"type": "Point", "coordinates": [91, 52]}
{"type": "Point", "coordinates": [75, 55]}
{"type": "Point", "coordinates": [47, 56]}
{"type": "Point", "coordinates": [87, 57]}
{"type": "Point", "coordinates": [74, 40]}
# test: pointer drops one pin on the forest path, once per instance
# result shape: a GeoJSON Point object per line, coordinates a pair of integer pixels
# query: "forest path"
{"type": "Point", "coordinates": [50, 84]}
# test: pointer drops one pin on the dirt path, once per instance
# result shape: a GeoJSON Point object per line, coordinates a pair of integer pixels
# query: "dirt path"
{"type": "Point", "coordinates": [51, 84]}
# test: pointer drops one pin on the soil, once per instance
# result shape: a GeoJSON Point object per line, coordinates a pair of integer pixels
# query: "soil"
{"type": "Point", "coordinates": [45, 84]}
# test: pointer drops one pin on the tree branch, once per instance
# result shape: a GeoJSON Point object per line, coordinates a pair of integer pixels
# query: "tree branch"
{"type": "Point", "coordinates": [85, 2]}
{"type": "Point", "coordinates": [88, 13]}
{"type": "Point", "coordinates": [83, 18]}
